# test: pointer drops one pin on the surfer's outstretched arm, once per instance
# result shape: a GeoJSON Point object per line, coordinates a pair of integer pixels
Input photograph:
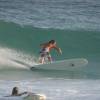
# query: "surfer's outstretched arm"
{"type": "Point", "coordinates": [58, 49]}
{"type": "Point", "coordinates": [22, 93]}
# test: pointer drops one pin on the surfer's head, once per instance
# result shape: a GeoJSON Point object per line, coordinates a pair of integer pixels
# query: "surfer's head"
{"type": "Point", "coordinates": [52, 42]}
{"type": "Point", "coordinates": [15, 91]}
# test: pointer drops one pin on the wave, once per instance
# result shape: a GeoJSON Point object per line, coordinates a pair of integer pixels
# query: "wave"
{"type": "Point", "coordinates": [27, 39]}
{"type": "Point", "coordinates": [19, 48]}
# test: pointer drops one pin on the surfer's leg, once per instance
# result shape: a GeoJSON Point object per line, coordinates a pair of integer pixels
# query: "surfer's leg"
{"type": "Point", "coordinates": [49, 57]}
{"type": "Point", "coordinates": [42, 58]}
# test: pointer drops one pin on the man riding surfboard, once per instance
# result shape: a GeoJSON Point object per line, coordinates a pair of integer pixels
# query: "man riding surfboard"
{"type": "Point", "coordinates": [45, 50]}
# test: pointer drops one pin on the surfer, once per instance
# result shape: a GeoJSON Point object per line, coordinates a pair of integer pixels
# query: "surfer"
{"type": "Point", "coordinates": [45, 50]}
{"type": "Point", "coordinates": [15, 92]}
{"type": "Point", "coordinates": [28, 95]}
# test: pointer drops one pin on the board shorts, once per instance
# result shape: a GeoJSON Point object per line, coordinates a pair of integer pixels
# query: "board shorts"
{"type": "Point", "coordinates": [45, 53]}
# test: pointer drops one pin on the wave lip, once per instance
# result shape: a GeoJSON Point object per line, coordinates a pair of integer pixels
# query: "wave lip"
{"type": "Point", "coordinates": [59, 14]}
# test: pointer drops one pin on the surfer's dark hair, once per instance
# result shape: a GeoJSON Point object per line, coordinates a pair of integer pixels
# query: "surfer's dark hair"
{"type": "Point", "coordinates": [15, 91]}
{"type": "Point", "coordinates": [52, 41]}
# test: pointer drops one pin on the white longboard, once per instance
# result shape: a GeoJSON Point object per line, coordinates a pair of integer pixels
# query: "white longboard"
{"type": "Point", "coordinates": [35, 97]}
{"type": "Point", "coordinates": [63, 64]}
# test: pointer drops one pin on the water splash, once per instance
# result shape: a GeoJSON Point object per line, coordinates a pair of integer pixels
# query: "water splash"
{"type": "Point", "coordinates": [10, 58]}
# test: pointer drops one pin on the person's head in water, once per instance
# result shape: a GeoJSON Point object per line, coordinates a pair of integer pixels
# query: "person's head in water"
{"type": "Point", "coordinates": [52, 42]}
{"type": "Point", "coordinates": [15, 91]}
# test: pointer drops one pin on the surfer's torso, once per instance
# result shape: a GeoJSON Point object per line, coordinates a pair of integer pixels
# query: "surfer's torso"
{"type": "Point", "coordinates": [47, 47]}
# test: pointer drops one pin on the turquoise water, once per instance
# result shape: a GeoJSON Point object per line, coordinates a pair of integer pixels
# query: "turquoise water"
{"type": "Point", "coordinates": [21, 45]}
{"type": "Point", "coordinates": [74, 24]}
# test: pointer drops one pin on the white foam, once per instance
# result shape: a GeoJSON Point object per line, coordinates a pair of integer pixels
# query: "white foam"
{"type": "Point", "coordinates": [11, 58]}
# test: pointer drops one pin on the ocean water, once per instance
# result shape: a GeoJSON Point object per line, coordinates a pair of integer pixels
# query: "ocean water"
{"type": "Point", "coordinates": [74, 24]}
